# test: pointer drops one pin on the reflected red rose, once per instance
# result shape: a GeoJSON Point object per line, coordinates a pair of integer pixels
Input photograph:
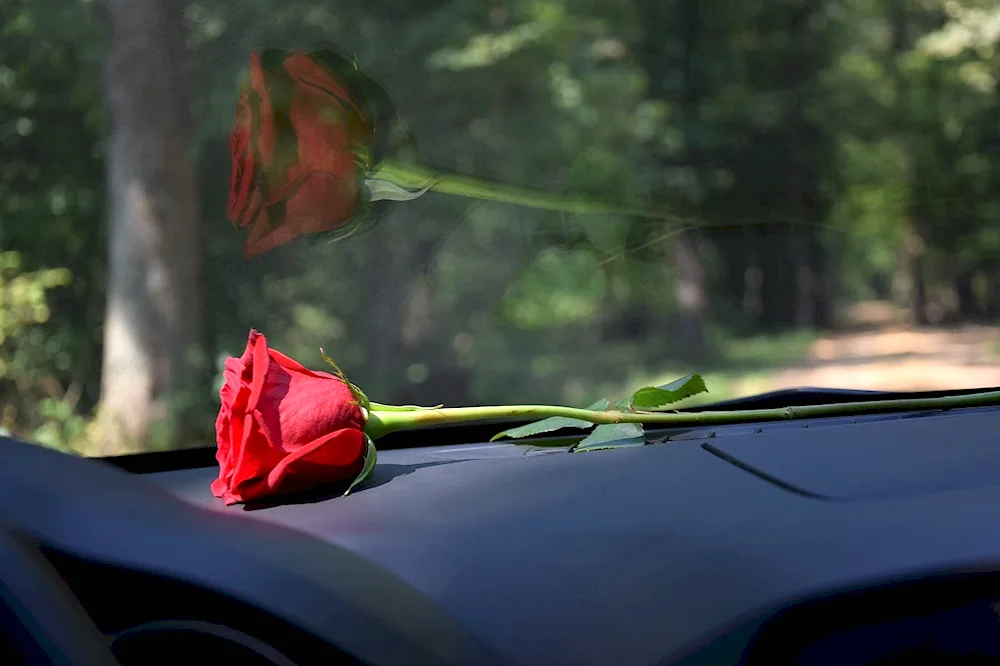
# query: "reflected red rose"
{"type": "Point", "coordinates": [283, 428]}
{"type": "Point", "coordinates": [302, 139]}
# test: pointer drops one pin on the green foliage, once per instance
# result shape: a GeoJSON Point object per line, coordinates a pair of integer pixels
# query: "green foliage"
{"type": "Point", "coordinates": [51, 218]}
{"type": "Point", "coordinates": [560, 287]}
{"type": "Point", "coordinates": [38, 406]}
{"type": "Point", "coordinates": [60, 427]}
{"type": "Point", "coordinates": [23, 296]}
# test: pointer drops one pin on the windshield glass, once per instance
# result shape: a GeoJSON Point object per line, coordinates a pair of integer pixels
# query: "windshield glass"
{"type": "Point", "coordinates": [489, 203]}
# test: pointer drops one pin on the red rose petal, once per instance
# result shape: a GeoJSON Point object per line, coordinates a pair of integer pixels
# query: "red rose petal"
{"type": "Point", "coordinates": [337, 456]}
{"type": "Point", "coordinates": [266, 138]}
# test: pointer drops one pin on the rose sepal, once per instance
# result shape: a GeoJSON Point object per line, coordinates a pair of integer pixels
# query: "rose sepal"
{"type": "Point", "coordinates": [385, 190]}
{"type": "Point", "coordinates": [371, 457]}
{"type": "Point", "coordinates": [359, 395]}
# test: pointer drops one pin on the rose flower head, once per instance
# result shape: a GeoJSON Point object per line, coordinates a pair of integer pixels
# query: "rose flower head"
{"type": "Point", "coordinates": [307, 128]}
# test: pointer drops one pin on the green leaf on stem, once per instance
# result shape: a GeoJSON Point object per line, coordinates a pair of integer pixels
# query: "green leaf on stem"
{"type": "Point", "coordinates": [371, 456]}
{"type": "Point", "coordinates": [656, 398]}
{"type": "Point", "coordinates": [612, 436]}
{"type": "Point", "coordinates": [379, 407]}
{"type": "Point", "coordinates": [383, 190]}
{"type": "Point", "coordinates": [550, 424]}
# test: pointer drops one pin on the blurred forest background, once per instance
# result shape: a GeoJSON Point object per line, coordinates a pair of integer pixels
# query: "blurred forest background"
{"type": "Point", "coordinates": [838, 162]}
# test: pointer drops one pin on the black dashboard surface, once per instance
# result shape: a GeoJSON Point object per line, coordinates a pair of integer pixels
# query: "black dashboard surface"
{"type": "Point", "coordinates": [522, 555]}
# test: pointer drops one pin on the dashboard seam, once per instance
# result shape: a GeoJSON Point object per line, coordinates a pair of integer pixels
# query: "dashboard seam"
{"type": "Point", "coordinates": [784, 485]}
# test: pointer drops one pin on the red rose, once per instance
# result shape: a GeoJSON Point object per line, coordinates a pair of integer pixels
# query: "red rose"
{"type": "Point", "coordinates": [283, 428]}
{"type": "Point", "coordinates": [301, 143]}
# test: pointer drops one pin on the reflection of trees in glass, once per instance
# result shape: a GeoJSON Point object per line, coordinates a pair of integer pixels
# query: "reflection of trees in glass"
{"type": "Point", "coordinates": [830, 152]}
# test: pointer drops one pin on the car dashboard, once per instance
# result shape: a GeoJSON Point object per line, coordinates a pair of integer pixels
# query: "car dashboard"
{"type": "Point", "coordinates": [849, 540]}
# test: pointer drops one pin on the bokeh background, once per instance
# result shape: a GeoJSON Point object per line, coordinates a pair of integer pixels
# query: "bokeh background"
{"type": "Point", "coordinates": [837, 161]}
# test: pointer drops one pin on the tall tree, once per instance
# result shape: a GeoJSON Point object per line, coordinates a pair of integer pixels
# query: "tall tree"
{"type": "Point", "coordinates": [808, 138]}
{"type": "Point", "coordinates": [915, 246]}
{"type": "Point", "coordinates": [153, 321]}
{"type": "Point", "coordinates": [661, 57]}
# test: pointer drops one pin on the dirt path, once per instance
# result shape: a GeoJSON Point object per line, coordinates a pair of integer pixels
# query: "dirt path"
{"type": "Point", "coordinates": [899, 358]}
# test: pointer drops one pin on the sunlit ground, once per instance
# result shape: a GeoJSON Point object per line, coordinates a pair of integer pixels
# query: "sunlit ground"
{"type": "Point", "coordinates": [879, 354]}
{"type": "Point", "coordinates": [874, 348]}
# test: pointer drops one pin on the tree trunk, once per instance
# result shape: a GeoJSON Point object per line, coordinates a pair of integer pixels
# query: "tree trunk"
{"type": "Point", "coordinates": [915, 249]}
{"type": "Point", "coordinates": [992, 300]}
{"type": "Point", "coordinates": [690, 296]}
{"type": "Point", "coordinates": [659, 59]}
{"type": "Point", "coordinates": [383, 314]}
{"type": "Point", "coordinates": [968, 305]}
{"type": "Point", "coordinates": [799, 181]}
{"type": "Point", "coordinates": [401, 316]}
{"type": "Point", "coordinates": [152, 330]}
{"type": "Point", "coordinates": [915, 246]}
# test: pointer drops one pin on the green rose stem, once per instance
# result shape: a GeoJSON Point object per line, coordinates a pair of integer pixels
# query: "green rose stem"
{"type": "Point", "coordinates": [383, 422]}
{"type": "Point", "coordinates": [418, 179]}
{"type": "Point", "coordinates": [404, 182]}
